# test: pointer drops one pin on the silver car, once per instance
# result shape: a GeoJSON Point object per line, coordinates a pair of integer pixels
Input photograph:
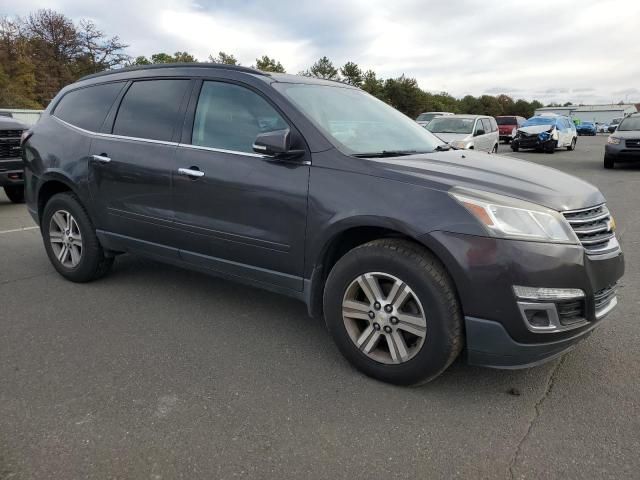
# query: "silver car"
{"type": "Point", "coordinates": [477, 132]}
{"type": "Point", "coordinates": [425, 117]}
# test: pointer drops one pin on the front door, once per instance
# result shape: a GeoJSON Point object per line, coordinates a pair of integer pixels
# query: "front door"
{"type": "Point", "coordinates": [238, 212]}
{"type": "Point", "coordinates": [130, 167]}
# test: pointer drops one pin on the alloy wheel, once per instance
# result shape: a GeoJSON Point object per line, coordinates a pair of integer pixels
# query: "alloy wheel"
{"type": "Point", "coordinates": [65, 238]}
{"type": "Point", "coordinates": [384, 318]}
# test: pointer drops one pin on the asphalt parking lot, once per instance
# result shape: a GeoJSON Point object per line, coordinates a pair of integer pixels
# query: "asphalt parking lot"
{"type": "Point", "coordinates": [156, 372]}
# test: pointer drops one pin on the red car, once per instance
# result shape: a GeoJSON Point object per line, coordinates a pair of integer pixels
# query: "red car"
{"type": "Point", "coordinates": [506, 125]}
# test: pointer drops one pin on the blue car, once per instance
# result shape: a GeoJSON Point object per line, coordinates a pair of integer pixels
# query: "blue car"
{"type": "Point", "coordinates": [587, 128]}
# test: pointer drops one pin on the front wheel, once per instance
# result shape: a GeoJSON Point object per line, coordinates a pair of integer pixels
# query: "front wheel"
{"type": "Point", "coordinates": [392, 310]}
{"type": "Point", "coordinates": [551, 147]}
{"type": "Point", "coordinates": [15, 193]}
{"type": "Point", "coordinates": [608, 162]}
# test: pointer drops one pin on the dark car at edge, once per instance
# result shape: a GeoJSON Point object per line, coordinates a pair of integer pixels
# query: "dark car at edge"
{"type": "Point", "coordinates": [623, 145]}
{"type": "Point", "coordinates": [11, 169]}
{"type": "Point", "coordinates": [411, 251]}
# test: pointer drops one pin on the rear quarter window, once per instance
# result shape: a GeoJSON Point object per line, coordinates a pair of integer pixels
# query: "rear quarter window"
{"type": "Point", "coordinates": [151, 109]}
{"type": "Point", "coordinates": [87, 107]}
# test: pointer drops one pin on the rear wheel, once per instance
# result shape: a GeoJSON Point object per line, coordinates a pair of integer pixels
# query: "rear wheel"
{"type": "Point", "coordinates": [573, 144]}
{"type": "Point", "coordinates": [15, 193]}
{"type": "Point", "coordinates": [70, 240]}
{"type": "Point", "coordinates": [495, 148]}
{"type": "Point", "coordinates": [393, 312]}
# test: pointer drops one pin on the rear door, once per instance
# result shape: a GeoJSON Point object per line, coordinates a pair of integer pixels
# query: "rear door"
{"type": "Point", "coordinates": [242, 214]}
{"type": "Point", "coordinates": [131, 164]}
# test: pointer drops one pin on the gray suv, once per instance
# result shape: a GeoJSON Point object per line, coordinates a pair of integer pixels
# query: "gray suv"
{"type": "Point", "coordinates": [623, 145]}
{"type": "Point", "coordinates": [411, 251]}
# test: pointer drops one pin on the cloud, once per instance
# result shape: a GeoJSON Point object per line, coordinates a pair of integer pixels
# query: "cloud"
{"type": "Point", "coordinates": [460, 47]}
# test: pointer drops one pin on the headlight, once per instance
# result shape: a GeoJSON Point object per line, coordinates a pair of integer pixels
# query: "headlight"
{"type": "Point", "coordinates": [613, 140]}
{"type": "Point", "coordinates": [508, 217]}
{"type": "Point", "coordinates": [461, 144]}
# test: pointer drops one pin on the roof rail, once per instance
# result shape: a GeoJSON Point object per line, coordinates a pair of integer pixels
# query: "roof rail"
{"type": "Point", "coordinates": [221, 66]}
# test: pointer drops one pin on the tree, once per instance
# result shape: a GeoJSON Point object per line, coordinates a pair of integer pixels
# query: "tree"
{"type": "Point", "coordinates": [97, 52]}
{"type": "Point", "coordinates": [323, 68]}
{"type": "Point", "coordinates": [403, 94]}
{"type": "Point", "coordinates": [371, 84]}
{"type": "Point", "coordinates": [267, 64]}
{"type": "Point", "coordinates": [178, 57]}
{"type": "Point", "coordinates": [352, 74]}
{"type": "Point", "coordinates": [225, 58]}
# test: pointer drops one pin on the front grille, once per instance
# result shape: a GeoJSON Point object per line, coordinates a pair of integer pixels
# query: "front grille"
{"type": "Point", "coordinates": [10, 134]}
{"type": "Point", "coordinates": [603, 297]}
{"type": "Point", "coordinates": [10, 143]}
{"type": "Point", "coordinates": [632, 142]}
{"type": "Point", "coordinates": [527, 140]}
{"type": "Point", "coordinates": [593, 227]}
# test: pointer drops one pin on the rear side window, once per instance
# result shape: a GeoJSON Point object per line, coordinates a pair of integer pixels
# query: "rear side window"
{"type": "Point", "coordinates": [230, 117]}
{"type": "Point", "coordinates": [87, 107]}
{"type": "Point", "coordinates": [150, 109]}
{"type": "Point", "coordinates": [494, 125]}
{"type": "Point", "coordinates": [486, 125]}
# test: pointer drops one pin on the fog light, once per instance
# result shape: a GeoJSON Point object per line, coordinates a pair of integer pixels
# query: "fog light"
{"type": "Point", "coordinates": [547, 294]}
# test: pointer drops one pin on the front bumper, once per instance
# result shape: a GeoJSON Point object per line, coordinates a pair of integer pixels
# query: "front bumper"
{"type": "Point", "coordinates": [531, 142]}
{"type": "Point", "coordinates": [485, 271]}
{"type": "Point", "coordinates": [622, 153]}
{"type": "Point", "coordinates": [11, 172]}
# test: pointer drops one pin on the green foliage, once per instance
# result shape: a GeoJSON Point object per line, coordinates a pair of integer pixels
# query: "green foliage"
{"type": "Point", "coordinates": [323, 68]}
{"type": "Point", "coordinates": [178, 57]}
{"type": "Point", "coordinates": [267, 64]}
{"type": "Point", "coordinates": [224, 58]}
{"type": "Point", "coordinates": [372, 84]}
{"type": "Point", "coordinates": [351, 74]}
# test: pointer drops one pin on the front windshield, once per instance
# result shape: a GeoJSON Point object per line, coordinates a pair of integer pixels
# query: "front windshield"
{"type": "Point", "coordinates": [425, 117]}
{"type": "Point", "coordinates": [540, 121]}
{"type": "Point", "coordinates": [356, 122]}
{"type": "Point", "coordinates": [630, 123]}
{"type": "Point", "coordinates": [451, 125]}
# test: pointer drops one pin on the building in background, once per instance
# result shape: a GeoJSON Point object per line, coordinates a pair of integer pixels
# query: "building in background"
{"type": "Point", "coordinates": [603, 114]}
{"type": "Point", "coordinates": [28, 117]}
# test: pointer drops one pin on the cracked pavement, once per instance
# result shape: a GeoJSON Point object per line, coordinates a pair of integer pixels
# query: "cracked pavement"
{"type": "Point", "coordinates": [156, 372]}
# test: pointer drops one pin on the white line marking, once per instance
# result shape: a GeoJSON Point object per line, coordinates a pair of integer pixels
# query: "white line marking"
{"type": "Point", "coordinates": [23, 229]}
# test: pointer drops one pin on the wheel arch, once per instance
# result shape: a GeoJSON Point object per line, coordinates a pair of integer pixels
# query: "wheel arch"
{"type": "Point", "coordinates": [344, 240]}
{"type": "Point", "coordinates": [51, 184]}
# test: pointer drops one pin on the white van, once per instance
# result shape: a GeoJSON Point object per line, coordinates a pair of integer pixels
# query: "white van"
{"type": "Point", "coordinates": [425, 117]}
{"type": "Point", "coordinates": [476, 132]}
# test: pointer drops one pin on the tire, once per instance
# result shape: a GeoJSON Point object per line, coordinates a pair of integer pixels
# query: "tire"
{"type": "Point", "coordinates": [15, 193]}
{"type": "Point", "coordinates": [425, 357]}
{"type": "Point", "coordinates": [91, 261]}
{"type": "Point", "coordinates": [573, 144]}
{"type": "Point", "coordinates": [495, 148]}
{"type": "Point", "coordinates": [515, 148]}
{"type": "Point", "coordinates": [608, 162]}
{"type": "Point", "coordinates": [552, 147]}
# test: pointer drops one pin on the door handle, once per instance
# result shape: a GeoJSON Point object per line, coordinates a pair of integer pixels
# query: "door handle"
{"type": "Point", "coordinates": [101, 158]}
{"type": "Point", "coordinates": [192, 172]}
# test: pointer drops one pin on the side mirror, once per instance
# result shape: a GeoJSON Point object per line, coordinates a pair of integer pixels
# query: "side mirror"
{"type": "Point", "coordinates": [479, 132]}
{"type": "Point", "coordinates": [276, 144]}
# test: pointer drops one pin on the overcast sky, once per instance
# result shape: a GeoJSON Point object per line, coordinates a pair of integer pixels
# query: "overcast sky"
{"type": "Point", "coordinates": [556, 50]}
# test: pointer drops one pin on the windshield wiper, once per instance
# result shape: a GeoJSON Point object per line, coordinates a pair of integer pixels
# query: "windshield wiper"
{"type": "Point", "coordinates": [386, 153]}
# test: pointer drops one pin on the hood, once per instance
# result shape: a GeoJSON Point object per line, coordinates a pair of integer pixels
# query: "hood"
{"type": "Point", "coordinates": [626, 134]}
{"type": "Point", "coordinates": [7, 123]}
{"type": "Point", "coordinates": [493, 173]}
{"type": "Point", "coordinates": [450, 137]}
{"type": "Point", "coordinates": [536, 128]}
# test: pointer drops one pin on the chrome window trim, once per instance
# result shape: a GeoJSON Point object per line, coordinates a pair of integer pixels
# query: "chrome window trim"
{"type": "Point", "coordinates": [222, 150]}
{"type": "Point", "coordinates": [111, 135]}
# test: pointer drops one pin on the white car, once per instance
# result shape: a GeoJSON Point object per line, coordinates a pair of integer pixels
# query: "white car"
{"type": "Point", "coordinates": [472, 132]}
{"type": "Point", "coordinates": [425, 117]}
{"type": "Point", "coordinates": [545, 133]}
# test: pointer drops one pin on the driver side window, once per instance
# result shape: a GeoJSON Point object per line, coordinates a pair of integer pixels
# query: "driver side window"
{"type": "Point", "coordinates": [230, 117]}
